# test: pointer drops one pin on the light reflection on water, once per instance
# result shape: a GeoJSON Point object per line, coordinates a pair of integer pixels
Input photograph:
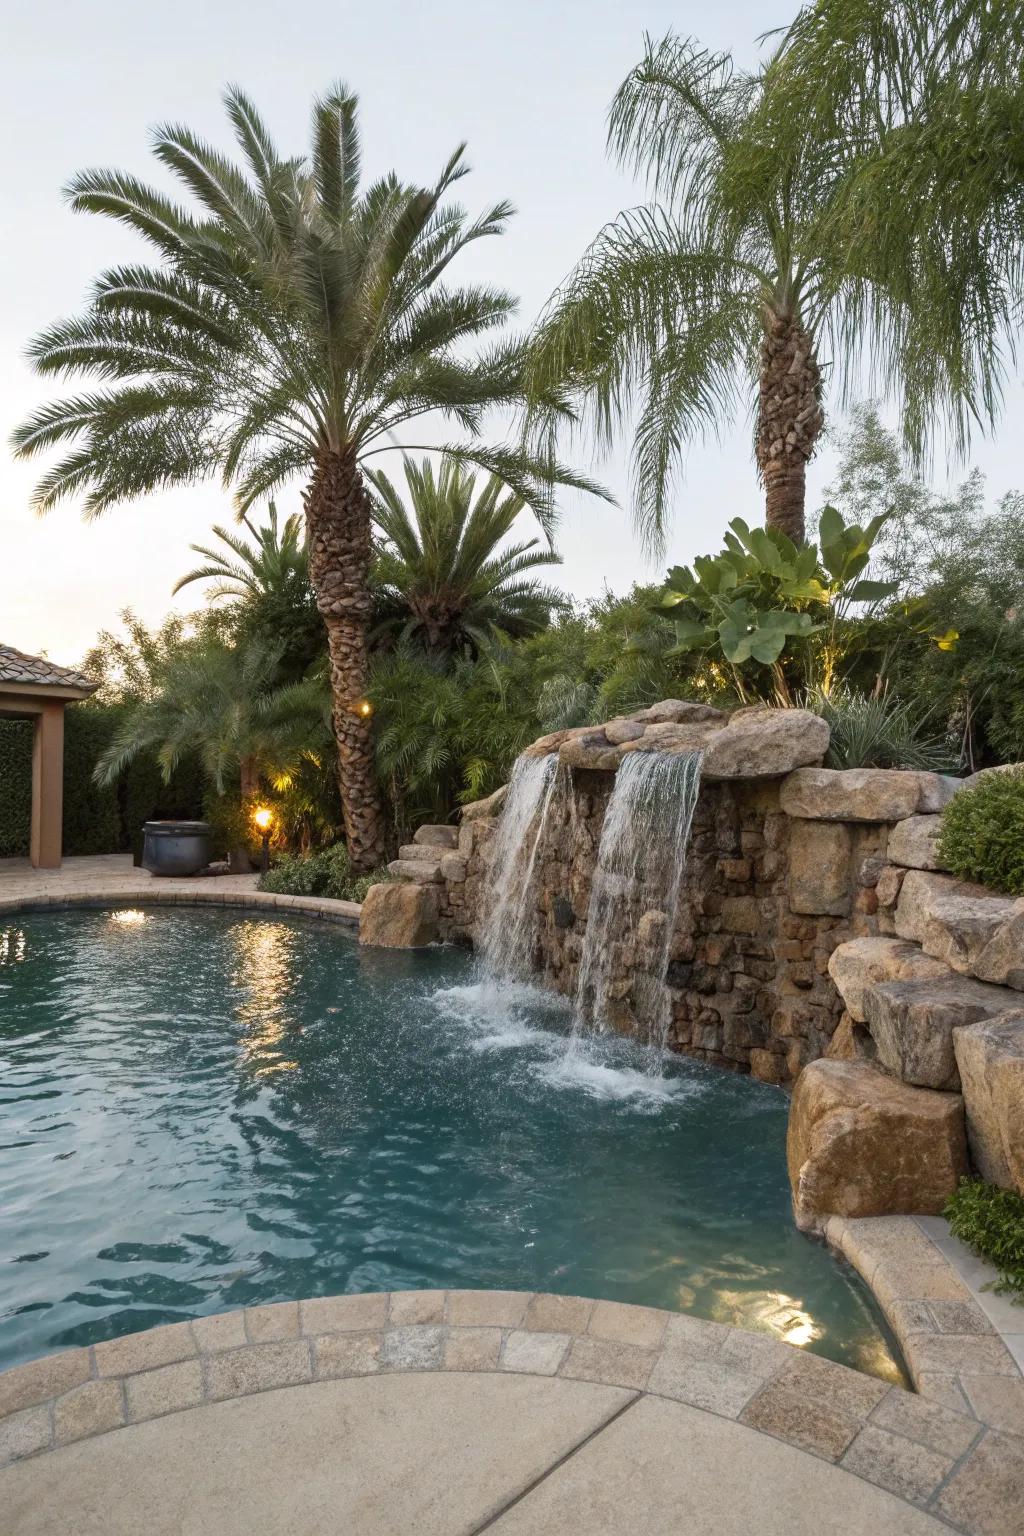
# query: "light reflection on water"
{"type": "Point", "coordinates": [202, 1111]}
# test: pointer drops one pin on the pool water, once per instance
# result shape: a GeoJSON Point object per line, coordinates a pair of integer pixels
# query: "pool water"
{"type": "Point", "coordinates": [201, 1111]}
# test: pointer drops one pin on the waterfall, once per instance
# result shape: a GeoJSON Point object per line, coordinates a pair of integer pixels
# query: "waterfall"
{"type": "Point", "coordinates": [508, 931]}
{"type": "Point", "coordinates": [635, 894]}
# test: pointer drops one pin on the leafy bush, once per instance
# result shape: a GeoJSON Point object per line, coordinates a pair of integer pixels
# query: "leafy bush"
{"type": "Point", "coordinates": [328, 873]}
{"type": "Point", "coordinates": [982, 834]}
{"type": "Point", "coordinates": [991, 1221]}
{"type": "Point", "coordinates": [879, 731]}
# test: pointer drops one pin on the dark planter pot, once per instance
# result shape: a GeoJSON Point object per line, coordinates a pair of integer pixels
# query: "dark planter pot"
{"type": "Point", "coordinates": [175, 847]}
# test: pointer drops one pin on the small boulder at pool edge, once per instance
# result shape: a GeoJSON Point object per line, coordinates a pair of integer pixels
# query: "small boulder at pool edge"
{"type": "Point", "coordinates": [399, 916]}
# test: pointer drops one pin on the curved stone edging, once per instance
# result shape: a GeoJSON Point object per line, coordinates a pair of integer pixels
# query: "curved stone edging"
{"type": "Point", "coordinates": [955, 1355]}
{"type": "Point", "coordinates": [345, 912]}
{"type": "Point", "coordinates": [936, 1458]}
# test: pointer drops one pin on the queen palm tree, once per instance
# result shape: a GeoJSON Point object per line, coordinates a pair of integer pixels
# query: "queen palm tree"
{"type": "Point", "coordinates": [749, 274]}
{"type": "Point", "coordinates": [293, 323]}
{"type": "Point", "coordinates": [441, 573]}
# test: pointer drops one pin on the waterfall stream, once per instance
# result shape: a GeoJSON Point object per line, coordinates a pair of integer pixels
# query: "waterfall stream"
{"type": "Point", "coordinates": [508, 932]}
{"type": "Point", "coordinates": [634, 896]}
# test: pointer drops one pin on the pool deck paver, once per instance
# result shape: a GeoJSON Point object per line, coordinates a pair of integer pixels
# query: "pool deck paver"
{"type": "Point", "coordinates": [459, 1412]}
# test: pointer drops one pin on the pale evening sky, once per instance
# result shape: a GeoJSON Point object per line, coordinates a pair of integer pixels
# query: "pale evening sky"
{"type": "Point", "coordinates": [526, 84]}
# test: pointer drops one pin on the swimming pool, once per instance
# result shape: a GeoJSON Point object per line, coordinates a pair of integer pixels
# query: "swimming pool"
{"type": "Point", "coordinates": [200, 1110]}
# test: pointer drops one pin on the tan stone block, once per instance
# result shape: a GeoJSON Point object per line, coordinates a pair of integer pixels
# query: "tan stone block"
{"type": "Point", "coordinates": [338, 1314]}
{"type": "Point", "coordinates": [986, 1493]}
{"type": "Point", "coordinates": [258, 1368]}
{"type": "Point", "coordinates": [758, 1354]}
{"type": "Point", "coordinates": [990, 1058]}
{"type": "Point", "coordinates": [851, 794]}
{"type": "Point", "coordinates": [860, 963]}
{"type": "Point", "coordinates": [905, 1468]}
{"type": "Point", "coordinates": [997, 1400]}
{"type": "Point", "coordinates": [959, 1317]}
{"type": "Point", "coordinates": [165, 1390]}
{"type": "Point", "coordinates": [418, 1347]}
{"type": "Point", "coordinates": [409, 1307]}
{"type": "Point", "coordinates": [626, 1324]}
{"type": "Point", "coordinates": [267, 1325]}
{"type": "Point", "coordinates": [25, 1385]}
{"type": "Point", "coordinates": [820, 876]}
{"type": "Point", "coordinates": [962, 1354]}
{"type": "Point", "coordinates": [472, 1349]}
{"type": "Point", "coordinates": [929, 1423]}
{"type": "Point", "coordinates": [617, 1365]}
{"type": "Point", "coordinates": [91, 1409]}
{"type": "Point", "coordinates": [558, 1314]}
{"type": "Point", "coordinates": [823, 1381]}
{"type": "Point", "coordinates": [484, 1309]}
{"type": "Point", "coordinates": [347, 1354]}
{"type": "Point", "coordinates": [803, 1422]}
{"type": "Point", "coordinates": [695, 1335]}
{"type": "Point", "coordinates": [398, 916]}
{"type": "Point", "coordinates": [540, 1354]}
{"type": "Point", "coordinates": [144, 1351]}
{"type": "Point", "coordinates": [936, 1388]}
{"type": "Point", "coordinates": [24, 1433]}
{"type": "Point", "coordinates": [707, 1384]}
{"type": "Point", "coordinates": [224, 1330]}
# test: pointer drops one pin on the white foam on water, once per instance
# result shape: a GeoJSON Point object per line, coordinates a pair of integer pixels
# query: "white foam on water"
{"type": "Point", "coordinates": [501, 1014]}
{"type": "Point", "coordinates": [583, 1072]}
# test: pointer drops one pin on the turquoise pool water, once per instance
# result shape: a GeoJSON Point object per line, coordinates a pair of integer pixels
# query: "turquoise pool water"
{"type": "Point", "coordinates": [200, 1111]}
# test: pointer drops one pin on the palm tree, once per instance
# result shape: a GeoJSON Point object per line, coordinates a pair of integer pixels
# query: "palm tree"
{"type": "Point", "coordinates": [292, 325]}
{"type": "Point", "coordinates": [440, 573]}
{"type": "Point", "coordinates": [743, 274]}
{"type": "Point", "coordinates": [275, 563]}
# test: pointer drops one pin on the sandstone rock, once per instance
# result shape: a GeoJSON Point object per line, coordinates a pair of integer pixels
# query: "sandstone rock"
{"type": "Point", "coordinates": [768, 1066]}
{"type": "Point", "coordinates": [990, 1056]}
{"type": "Point", "coordinates": [851, 794]}
{"type": "Point", "coordinates": [418, 871]}
{"type": "Point", "coordinates": [765, 743]}
{"type": "Point", "coordinates": [490, 806]}
{"type": "Point", "coordinates": [399, 916]}
{"type": "Point", "coordinates": [436, 837]}
{"type": "Point", "coordinates": [453, 868]}
{"type": "Point", "coordinates": [871, 868]}
{"type": "Point", "coordinates": [590, 749]}
{"type": "Point", "coordinates": [850, 1042]}
{"type": "Point", "coordinates": [420, 851]}
{"type": "Point", "coordinates": [861, 963]}
{"type": "Point", "coordinates": [913, 843]}
{"type": "Point", "coordinates": [950, 918]}
{"type": "Point", "coordinates": [889, 884]}
{"type": "Point", "coordinates": [1002, 959]}
{"type": "Point", "coordinates": [618, 731]}
{"type": "Point", "coordinates": [912, 1024]}
{"type": "Point", "coordinates": [663, 736]}
{"type": "Point", "coordinates": [861, 1144]}
{"type": "Point", "coordinates": [545, 745]}
{"type": "Point", "coordinates": [819, 868]}
{"type": "Point", "coordinates": [678, 712]}
{"type": "Point", "coordinates": [937, 790]}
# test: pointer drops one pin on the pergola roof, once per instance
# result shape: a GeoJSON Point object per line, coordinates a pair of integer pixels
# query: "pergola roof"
{"type": "Point", "coordinates": [36, 672]}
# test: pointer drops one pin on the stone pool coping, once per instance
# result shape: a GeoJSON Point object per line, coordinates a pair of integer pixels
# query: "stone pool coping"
{"type": "Point", "coordinates": [936, 1458]}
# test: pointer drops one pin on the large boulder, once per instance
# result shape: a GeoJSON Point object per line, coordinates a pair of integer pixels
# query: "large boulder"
{"type": "Point", "coordinates": [665, 736]}
{"type": "Point", "coordinates": [436, 836]}
{"type": "Point", "coordinates": [861, 1144]}
{"type": "Point", "coordinates": [819, 868]}
{"type": "Point", "coordinates": [620, 731]}
{"type": "Point", "coordinates": [990, 1056]}
{"type": "Point", "coordinates": [491, 805]}
{"type": "Point", "coordinates": [850, 794]}
{"type": "Point", "coordinates": [1002, 959]}
{"type": "Point", "coordinates": [950, 918]}
{"type": "Point", "coordinates": [399, 916]}
{"type": "Point", "coordinates": [765, 743]}
{"type": "Point", "coordinates": [912, 1024]}
{"type": "Point", "coordinates": [860, 963]}
{"type": "Point", "coordinates": [590, 749]}
{"type": "Point", "coordinates": [914, 843]}
{"type": "Point", "coordinates": [678, 712]}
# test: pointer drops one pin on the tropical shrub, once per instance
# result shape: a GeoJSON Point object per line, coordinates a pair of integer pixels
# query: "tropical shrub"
{"type": "Point", "coordinates": [764, 596]}
{"type": "Point", "coordinates": [982, 833]}
{"type": "Point", "coordinates": [880, 730]}
{"type": "Point", "coordinates": [991, 1222]}
{"type": "Point", "coordinates": [328, 873]}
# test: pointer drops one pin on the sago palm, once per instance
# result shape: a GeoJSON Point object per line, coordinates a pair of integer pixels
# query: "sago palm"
{"type": "Point", "coordinates": [293, 323]}
{"type": "Point", "coordinates": [442, 573]}
{"type": "Point", "coordinates": [740, 280]}
{"type": "Point", "coordinates": [274, 563]}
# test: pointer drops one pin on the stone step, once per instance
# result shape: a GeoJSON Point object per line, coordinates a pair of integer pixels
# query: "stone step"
{"type": "Point", "coordinates": [437, 836]}
{"type": "Point", "coordinates": [421, 851]}
{"type": "Point", "coordinates": [422, 871]}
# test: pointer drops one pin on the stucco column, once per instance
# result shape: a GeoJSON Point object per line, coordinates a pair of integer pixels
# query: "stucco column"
{"type": "Point", "coordinates": [47, 787]}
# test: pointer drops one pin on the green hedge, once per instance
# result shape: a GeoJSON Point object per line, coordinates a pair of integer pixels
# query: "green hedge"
{"type": "Point", "coordinates": [982, 833]}
{"type": "Point", "coordinates": [107, 820]}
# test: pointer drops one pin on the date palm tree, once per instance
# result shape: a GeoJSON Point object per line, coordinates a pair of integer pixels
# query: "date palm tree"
{"type": "Point", "coordinates": [294, 321]}
{"type": "Point", "coordinates": [441, 573]}
{"type": "Point", "coordinates": [750, 276]}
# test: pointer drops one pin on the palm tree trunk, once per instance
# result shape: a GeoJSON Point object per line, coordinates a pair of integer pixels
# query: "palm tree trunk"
{"type": "Point", "coordinates": [338, 525]}
{"type": "Point", "coordinates": [789, 420]}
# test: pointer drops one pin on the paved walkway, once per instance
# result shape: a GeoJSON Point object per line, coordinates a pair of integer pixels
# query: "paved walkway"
{"type": "Point", "coordinates": [453, 1413]}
